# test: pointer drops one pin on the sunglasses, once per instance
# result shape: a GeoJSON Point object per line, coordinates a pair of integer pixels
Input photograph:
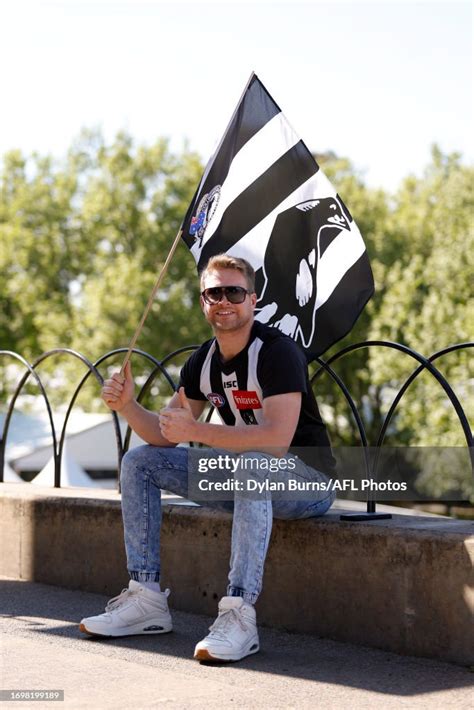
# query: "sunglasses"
{"type": "Point", "coordinates": [215, 294]}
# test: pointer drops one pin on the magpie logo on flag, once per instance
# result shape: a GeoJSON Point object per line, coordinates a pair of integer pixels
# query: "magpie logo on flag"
{"type": "Point", "coordinates": [263, 197]}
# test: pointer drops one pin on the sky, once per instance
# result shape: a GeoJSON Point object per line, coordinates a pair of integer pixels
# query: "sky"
{"type": "Point", "coordinates": [378, 82]}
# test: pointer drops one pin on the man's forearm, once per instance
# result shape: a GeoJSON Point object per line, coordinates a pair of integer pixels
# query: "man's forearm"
{"type": "Point", "coordinates": [144, 423]}
{"type": "Point", "coordinates": [265, 437]}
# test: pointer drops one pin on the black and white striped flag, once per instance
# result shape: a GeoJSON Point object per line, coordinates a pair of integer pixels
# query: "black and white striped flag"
{"type": "Point", "coordinates": [263, 197]}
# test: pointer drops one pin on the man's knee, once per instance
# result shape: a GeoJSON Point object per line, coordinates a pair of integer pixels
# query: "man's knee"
{"type": "Point", "coordinates": [135, 463]}
{"type": "Point", "coordinates": [134, 457]}
{"type": "Point", "coordinates": [147, 459]}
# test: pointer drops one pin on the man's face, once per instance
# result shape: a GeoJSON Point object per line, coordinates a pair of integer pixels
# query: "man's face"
{"type": "Point", "coordinates": [225, 316]}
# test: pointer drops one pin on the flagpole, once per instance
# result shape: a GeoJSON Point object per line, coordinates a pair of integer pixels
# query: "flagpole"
{"type": "Point", "coordinates": [150, 301]}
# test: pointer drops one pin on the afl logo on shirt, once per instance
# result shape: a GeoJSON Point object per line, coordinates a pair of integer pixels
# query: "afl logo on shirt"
{"type": "Point", "coordinates": [246, 400]}
{"type": "Point", "coordinates": [216, 399]}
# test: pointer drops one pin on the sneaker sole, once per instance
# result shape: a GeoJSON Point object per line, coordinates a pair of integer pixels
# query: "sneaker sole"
{"type": "Point", "coordinates": [204, 655]}
{"type": "Point", "coordinates": [123, 632]}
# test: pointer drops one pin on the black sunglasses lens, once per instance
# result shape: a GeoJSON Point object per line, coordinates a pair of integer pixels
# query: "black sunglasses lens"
{"type": "Point", "coordinates": [234, 294]}
{"type": "Point", "coordinates": [213, 295]}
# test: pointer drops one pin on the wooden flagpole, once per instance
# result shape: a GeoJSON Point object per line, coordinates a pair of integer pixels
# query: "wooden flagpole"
{"type": "Point", "coordinates": [150, 301]}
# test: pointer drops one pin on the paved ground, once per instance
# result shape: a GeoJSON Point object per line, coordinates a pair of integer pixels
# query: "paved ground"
{"type": "Point", "coordinates": [42, 648]}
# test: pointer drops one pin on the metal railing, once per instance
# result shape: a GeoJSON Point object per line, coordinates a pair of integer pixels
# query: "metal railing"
{"type": "Point", "coordinates": [161, 367]}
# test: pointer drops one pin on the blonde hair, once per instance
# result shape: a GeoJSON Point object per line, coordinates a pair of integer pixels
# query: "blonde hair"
{"type": "Point", "coordinates": [224, 261]}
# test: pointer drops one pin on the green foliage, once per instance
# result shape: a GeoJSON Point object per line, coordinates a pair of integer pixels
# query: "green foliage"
{"type": "Point", "coordinates": [428, 298]}
{"type": "Point", "coordinates": [421, 245]}
{"type": "Point", "coordinates": [82, 241]}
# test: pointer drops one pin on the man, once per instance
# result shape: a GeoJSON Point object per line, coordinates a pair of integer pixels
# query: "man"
{"type": "Point", "coordinates": [258, 379]}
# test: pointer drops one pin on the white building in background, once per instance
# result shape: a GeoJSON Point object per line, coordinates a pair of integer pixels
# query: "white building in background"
{"type": "Point", "coordinates": [10, 476]}
{"type": "Point", "coordinates": [72, 474]}
{"type": "Point", "coordinates": [90, 456]}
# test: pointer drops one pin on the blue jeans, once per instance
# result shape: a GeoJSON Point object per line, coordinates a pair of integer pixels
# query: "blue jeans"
{"type": "Point", "coordinates": [148, 469]}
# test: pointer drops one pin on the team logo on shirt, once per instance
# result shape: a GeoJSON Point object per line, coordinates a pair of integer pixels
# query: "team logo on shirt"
{"type": "Point", "coordinates": [246, 400]}
{"type": "Point", "coordinates": [216, 399]}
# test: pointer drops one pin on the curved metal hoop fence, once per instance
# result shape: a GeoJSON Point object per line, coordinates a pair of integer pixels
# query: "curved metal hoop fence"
{"type": "Point", "coordinates": [161, 369]}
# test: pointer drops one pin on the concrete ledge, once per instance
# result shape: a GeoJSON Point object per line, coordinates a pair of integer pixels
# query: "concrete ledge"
{"type": "Point", "coordinates": [404, 585]}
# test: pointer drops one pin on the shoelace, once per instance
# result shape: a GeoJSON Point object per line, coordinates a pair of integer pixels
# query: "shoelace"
{"type": "Point", "coordinates": [225, 621]}
{"type": "Point", "coordinates": [118, 600]}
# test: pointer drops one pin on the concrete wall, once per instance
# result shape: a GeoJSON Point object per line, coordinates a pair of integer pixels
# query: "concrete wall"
{"type": "Point", "coordinates": [404, 585]}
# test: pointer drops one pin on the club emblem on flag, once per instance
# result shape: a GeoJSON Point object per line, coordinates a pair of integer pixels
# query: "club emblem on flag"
{"type": "Point", "coordinates": [263, 197]}
{"type": "Point", "coordinates": [204, 213]}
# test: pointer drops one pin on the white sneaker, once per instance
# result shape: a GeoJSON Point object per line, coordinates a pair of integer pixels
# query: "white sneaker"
{"type": "Point", "coordinates": [233, 635]}
{"type": "Point", "coordinates": [135, 610]}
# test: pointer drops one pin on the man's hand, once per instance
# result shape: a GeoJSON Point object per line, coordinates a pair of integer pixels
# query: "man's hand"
{"type": "Point", "coordinates": [177, 423]}
{"type": "Point", "coordinates": [118, 391]}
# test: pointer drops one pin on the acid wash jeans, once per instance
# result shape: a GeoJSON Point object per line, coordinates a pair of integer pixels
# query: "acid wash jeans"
{"type": "Point", "coordinates": [146, 470]}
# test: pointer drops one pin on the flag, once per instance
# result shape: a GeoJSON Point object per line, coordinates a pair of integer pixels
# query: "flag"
{"type": "Point", "coordinates": [263, 197]}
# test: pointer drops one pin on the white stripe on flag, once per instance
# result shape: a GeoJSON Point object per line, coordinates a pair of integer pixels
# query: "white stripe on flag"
{"type": "Point", "coordinates": [211, 160]}
{"type": "Point", "coordinates": [253, 159]}
{"type": "Point", "coordinates": [341, 254]}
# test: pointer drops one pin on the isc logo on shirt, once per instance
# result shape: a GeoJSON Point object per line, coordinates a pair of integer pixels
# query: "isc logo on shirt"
{"type": "Point", "coordinates": [246, 400]}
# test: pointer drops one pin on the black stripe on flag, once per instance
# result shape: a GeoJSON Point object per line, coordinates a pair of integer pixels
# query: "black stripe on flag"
{"type": "Point", "coordinates": [259, 199]}
{"type": "Point", "coordinates": [254, 111]}
{"type": "Point", "coordinates": [334, 319]}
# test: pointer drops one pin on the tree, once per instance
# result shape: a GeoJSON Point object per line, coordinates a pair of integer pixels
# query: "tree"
{"type": "Point", "coordinates": [428, 304]}
{"type": "Point", "coordinates": [132, 207]}
{"type": "Point", "coordinates": [35, 260]}
{"type": "Point", "coordinates": [82, 240]}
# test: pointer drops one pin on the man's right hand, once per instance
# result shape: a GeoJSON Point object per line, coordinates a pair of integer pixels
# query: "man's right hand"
{"type": "Point", "coordinates": [119, 390]}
